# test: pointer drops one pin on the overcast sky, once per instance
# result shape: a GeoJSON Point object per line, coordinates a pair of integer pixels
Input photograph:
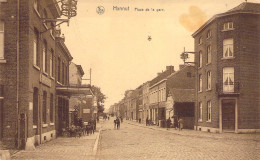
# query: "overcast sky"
{"type": "Point", "coordinates": [116, 46]}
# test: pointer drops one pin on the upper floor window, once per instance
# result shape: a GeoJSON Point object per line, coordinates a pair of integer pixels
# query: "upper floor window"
{"type": "Point", "coordinates": [51, 62]}
{"type": "Point", "coordinates": [200, 59]}
{"type": "Point", "coordinates": [228, 48]}
{"type": "Point", "coordinates": [36, 48]}
{"type": "Point", "coordinates": [208, 34]}
{"type": "Point", "coordinates": [44, 56]}
{"type": "Point", "coordinates": [208, 80]}
{"type": "Point", "coordinates": [200, 40]}
{"type": "Point", "coordinates": [200, 83]}
{"type": "Point", "coordinates": [45, 15]}
{"type": "Point", "coordinates": [228, 26]}
{"type": "Point", "coordinates": [228, 79]}
{"type": "Point", "coordinates": [36, 6]}
{"type": "Point", "coordinates": [2, 35]}
{"type": "Point", "coordinates": [209, 54]}
{"type": "Point", "coordinates": [59, 75]}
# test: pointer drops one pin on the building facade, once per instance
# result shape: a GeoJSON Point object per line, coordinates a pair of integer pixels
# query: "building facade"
{"type": "Point", "coordinates": [227, 57]}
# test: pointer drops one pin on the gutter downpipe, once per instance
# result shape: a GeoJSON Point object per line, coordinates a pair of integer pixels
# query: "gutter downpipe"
{"type": "Point", "coordinates": [17, 72]}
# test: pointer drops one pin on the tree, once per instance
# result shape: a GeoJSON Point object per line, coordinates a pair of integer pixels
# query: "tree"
{"type": "Point", "coordinates": [100, 98]}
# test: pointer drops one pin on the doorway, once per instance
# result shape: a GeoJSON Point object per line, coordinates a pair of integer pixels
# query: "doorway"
{"type": "Point", "coordinates": [228, 114]}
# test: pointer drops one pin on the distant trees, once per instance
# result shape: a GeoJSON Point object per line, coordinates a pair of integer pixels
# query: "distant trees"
{"type": "Point", "coordinates": [100, 98]}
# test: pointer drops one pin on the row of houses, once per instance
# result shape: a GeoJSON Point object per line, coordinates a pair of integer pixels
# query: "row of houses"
{"type": "Point", "coordinates": [40, 87]}
{"type": "Point", "coordinates": [220, 91]}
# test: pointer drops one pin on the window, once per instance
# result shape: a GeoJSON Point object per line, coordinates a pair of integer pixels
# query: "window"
{"type": "Point", "coordinates": [200, 83]}
{"type": "Point", "coordinates": [200, 40]}
{"type": "Point", "coordinates": [228, 79]}
{"type": "Point", "coordinates": [2, 35]}
{"type": "Point", "coordinates": [208, 54]}
{"type": "Point", "coordinates": [209, 111]}
{"type": "Point", "coordinates": [44, 56]}
{"type": "Point", "coordinates": [200, 59]}
{"type": "Point", "coordinates": [36, 6]}
{"type": "Point", "coordinates": [35, 106]}
{"type": "Point", "coordinates": [51, 62]}
{"type": "Point", "coordinates": [200, 111]}
{"type": "Point", "coordinates": [209, 80]}
{"type": "Point", "coordinates": [51, 108]}
{"type": "Point", "coordinates": [208, 34]}
{"type": "Point", "coordinates": [59, 69]}
{"type": "Point", "coordinates": [62, 72]}
{"type": "Point", "coordinates": [228, 26]}
{"type": "Point", "coordinates": [45, 15]}
{"type": "Point", "coordinates": [228, 48]}
{"type": "Point", "coordinates": [35, 48]}
{"type": "Point", "coordinates": [44, 107]}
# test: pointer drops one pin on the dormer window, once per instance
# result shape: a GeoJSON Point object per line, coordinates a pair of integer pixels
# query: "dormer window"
{"type": "Point", "coordinates": [200, 40]}
{"type": "Point", "coordinates": [228, 26]}
{"type": "Point", "coordinates": [208, 34]}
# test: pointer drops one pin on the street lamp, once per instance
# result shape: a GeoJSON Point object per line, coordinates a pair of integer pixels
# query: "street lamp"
{"type": "Point", "coordinates": [184, 56]}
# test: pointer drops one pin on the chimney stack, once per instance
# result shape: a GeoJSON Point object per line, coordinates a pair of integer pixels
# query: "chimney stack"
{"type": "Point", "coordinates": [170, 68]}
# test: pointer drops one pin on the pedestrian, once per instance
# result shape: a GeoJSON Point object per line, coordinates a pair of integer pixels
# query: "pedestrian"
{"type": "Point", "coordinates": [115, 123]}
{"type": "Point", "coordinates": [180, 122]}
{"type": "Point", "coordinates": [139, 120]}
{"type": "Point", "coordinates": [175, 122]}
{"type": "Point", "coordinates": [118, 123]}
{"type": "Point", "coordinates": [168, 123]}
{"type": "Point", "coordinates": [108, 118]}
{"type": "Point", "coordinates": [147, 121]}
{"type": "Point", "coordinates": [121, 119]}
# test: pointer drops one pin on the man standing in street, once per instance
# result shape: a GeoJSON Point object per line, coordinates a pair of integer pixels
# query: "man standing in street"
{"type": "Point", "coordinates": [168, 123]}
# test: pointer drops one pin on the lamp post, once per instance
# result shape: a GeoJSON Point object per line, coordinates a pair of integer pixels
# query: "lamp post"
{"type": "Point", "coordinates": [184, 56]}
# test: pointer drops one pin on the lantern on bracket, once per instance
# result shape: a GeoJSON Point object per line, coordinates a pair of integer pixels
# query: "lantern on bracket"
{"type": "Point", "coordinates": [69, 8]}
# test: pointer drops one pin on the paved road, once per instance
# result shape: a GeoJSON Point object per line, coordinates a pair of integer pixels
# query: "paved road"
{"type": "Point", "coordinates": [135, 142]}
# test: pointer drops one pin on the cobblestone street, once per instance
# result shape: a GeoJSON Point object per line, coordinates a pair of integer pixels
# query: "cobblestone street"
{"type": "Point", "coordinates": [134, 141]}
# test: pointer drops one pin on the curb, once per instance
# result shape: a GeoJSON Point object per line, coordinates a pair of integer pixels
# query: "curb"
{"type": "Point", "coordinates": [191, 135]}
{"type": "Point", "coordinates": [94, 152]}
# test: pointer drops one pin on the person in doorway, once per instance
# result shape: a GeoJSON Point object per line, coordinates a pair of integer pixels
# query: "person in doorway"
{"type": "Point", "coordinates": [168, 123]}
{"type": "Point", "coordinates": [180, 122]}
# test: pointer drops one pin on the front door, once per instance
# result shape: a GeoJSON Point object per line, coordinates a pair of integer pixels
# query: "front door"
{"type": "Point", "coordinates": [228, 114]}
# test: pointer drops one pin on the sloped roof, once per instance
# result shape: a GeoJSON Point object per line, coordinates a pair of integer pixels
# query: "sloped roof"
{"type": "Point", "coordinates": [245, 7]}
{"type": "Point", "coordinates": [182, 95]}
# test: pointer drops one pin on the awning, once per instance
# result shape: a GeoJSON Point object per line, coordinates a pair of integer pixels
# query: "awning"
{"type": "Point", "coordinates": [74, 90]}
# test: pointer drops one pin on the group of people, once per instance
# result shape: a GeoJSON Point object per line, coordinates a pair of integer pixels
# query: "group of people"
{"type": "Point", "coordinates": [117, 122]}
{"type": "Point", "coordinates": [177, 122]}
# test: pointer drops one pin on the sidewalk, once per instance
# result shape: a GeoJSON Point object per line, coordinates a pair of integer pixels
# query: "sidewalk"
{"type": "Point", "coordinates": [201, 134]}
{"type": "Point", "coordinates": [64, 148]}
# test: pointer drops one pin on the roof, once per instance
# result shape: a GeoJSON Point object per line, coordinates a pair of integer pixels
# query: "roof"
{"type": "Point", "coordinates": [245, 7]}
{"type": "Point", "coordinates": [160, 77]}
{"type": "Point", "coordinates": [64, 48]}
{"type": "Point", "coordinates": [182, 95]}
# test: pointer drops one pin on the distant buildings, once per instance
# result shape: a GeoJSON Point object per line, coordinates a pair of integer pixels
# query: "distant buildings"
{"type": "Point", "coordinates": [221, 92]}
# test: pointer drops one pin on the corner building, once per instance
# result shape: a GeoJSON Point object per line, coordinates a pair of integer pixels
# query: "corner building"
{"type": "Point", "coordinates": [227, 57]}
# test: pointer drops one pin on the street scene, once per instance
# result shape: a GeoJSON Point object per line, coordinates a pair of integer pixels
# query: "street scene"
{"type": "Point", "coordinates": [129, 79]}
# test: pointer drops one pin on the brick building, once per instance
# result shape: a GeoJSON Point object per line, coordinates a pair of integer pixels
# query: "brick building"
{"type": "Point", "coordinates": [157, 95]}
{"type": "Point", "coordinates": [34, 73]}
{"type": "Point", "coordinates": [227, 50]}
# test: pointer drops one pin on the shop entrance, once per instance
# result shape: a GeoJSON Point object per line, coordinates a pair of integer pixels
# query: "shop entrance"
{"type": "Point", "coordinates": [228, 114]}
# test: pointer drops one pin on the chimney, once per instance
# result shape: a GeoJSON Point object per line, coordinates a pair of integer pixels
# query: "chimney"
{"type": "Point", "coordinates": [170, 68]}
{"type": "Point", "coordinates": [181, 66]}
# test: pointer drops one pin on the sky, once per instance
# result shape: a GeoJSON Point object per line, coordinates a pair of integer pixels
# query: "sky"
{"type": "Point", "coordinates": [115, 44]}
